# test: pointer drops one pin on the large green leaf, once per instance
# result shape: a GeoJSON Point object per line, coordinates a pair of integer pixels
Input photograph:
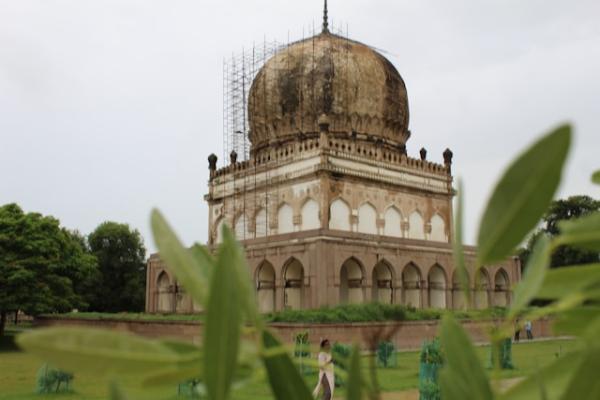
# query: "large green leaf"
{"type": "Point", "coordinates": [355, 380]}
{"type": "Point", "coordinates": [172, 375]}
{"type": "Point", "coordinates": [548, 383]}
{"type": "Point", "coordinates": [284, 378]}
{"type": "Point", "coordinates": [536, 269]}
{"type": "Point", "coordinates": [203, 257]}
{"type": "Point", "coordinates": [115, 392]}
{"type": "Point", "coordinates": [457, 247]}
{"type": "Point", "coordinates": [223, 322]}
{"type": "Point", "coordinates": [584, 384]}
{"type": "Point", "coordinates": [596, 177]}
{"type": "Point", "coordinates": [101, 351]}
{"type": "Point", "coordinates": [576, 322]}
{"type": "Point", "coordinates": [462, 377]}
{"type": "Point", "coordinates": [560, 282]}
{"type": "Point", "coordinates": [522, 196]}
{"type": "Point", "coordinates": [182, 262]}
{"type": "Point", "coordinates": [245, 283]}
{"type": "Point", "coordinates": [582, 232]}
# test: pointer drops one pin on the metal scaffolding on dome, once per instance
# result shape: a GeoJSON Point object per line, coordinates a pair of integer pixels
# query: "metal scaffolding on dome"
{"type": "Point", "coordinates": [238, 73]}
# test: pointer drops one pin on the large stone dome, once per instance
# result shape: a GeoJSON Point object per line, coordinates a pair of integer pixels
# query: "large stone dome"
{"type": "Point", "coordinates": [357, 88]}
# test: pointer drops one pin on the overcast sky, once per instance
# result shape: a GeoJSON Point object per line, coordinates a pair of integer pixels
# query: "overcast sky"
{"type": "Point", "coordinates": [110, 107]}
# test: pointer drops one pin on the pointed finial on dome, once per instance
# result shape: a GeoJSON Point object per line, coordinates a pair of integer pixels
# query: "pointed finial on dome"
{"type": "Point", "coordinates": [325, 19]}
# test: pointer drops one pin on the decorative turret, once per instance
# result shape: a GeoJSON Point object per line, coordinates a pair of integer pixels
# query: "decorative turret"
{"type": "Point", "coordinates": [448, 159]}
{"type": "Point", "coordinates": [212, 164]}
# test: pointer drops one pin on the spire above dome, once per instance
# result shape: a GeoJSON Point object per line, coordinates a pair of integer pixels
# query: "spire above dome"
{"type": "Point", "coordinates": [325, 19]}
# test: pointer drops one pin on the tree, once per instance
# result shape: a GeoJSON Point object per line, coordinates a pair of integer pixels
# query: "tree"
{"type": "Point", "coordinates": [121, 282]}
{"type": "Point", "coordinates": [40, 263]}
{"type": "Point", "coordinates": [560, 210]}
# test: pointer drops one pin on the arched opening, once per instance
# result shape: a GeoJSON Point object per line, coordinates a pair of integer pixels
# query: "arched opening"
{"type": "Point", "coordinates": [411, 286]}
{"type": "Point", "coordinates": [416, 226]}
{"type": "Point", "coordinates": [165, 297]}
{"type": "Point", "coordinates": [339, 215]}
{"type": "Point", "coordinates": [437, 287]}
{"type": "Point", "coordinates": [383, 288]}
{"type": "Point", "coordinates": [501, 289]}
{"type": "Point", "coordinates": [310, 215]}
{"type": "Point", "coordinates": [482, 285]}
{"type": "Point", "coordinates": [367, 219]}
{"type": "Point", "coordinates": [458, 297]}
{"type": "Point", "coordinates": [393, 223]}
{"type": "Point", "coordinates": [285, 219]}
{"type": "Point", "coordinates": [260, 224]}
{"type": "Point", "coordinates": [438, 229]}
{"type": "Point", "coordinates": [241, 227]}
{"type": "Point", "coordinates": [265, 287]}
{"type": "Point", "coordinates": [293, 285]}
{"type": "Point", "coordinates": [351, 282]}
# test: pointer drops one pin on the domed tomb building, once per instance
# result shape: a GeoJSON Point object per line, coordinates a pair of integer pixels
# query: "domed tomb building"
{"type": "Point", "coordinates": [329, 206]}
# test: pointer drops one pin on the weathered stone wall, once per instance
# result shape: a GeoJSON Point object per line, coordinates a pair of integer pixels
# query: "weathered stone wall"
{"type": "Point", "coordinates": [408, 335]}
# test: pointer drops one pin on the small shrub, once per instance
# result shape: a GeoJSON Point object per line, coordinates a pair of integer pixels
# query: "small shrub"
{"type": "Point", "coordinates": [189, 389]}
{"type": "Point", "coordinates": [432, 359]}
{"type": "Point", "coordinates": [386, 354]}
{"type": "Point", "coordinates": [504, 350]}
{"type": "Point", "coordinates": [52, 380]}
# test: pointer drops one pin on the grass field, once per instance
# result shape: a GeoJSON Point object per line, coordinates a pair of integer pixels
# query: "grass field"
{"type": "Point", "coordinates": [18, 371]}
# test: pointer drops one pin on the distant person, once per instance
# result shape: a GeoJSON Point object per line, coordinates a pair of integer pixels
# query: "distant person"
{"type": "Point", "coordinates": [326, 382]}
{"type": "Point", "coordinates": [517, 330]}
{"type": "Point", "coordinates": [528, 330]}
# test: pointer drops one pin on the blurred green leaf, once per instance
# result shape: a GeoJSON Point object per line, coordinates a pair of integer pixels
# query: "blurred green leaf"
{"type": "Point", "coordinates": [173, 376]}
{"type": "Point", "coordinates": [457, 247]}
{"type": "Point", "coordinates": [355, 380]}
{"type": "Point", "coordinates": [536, 269]}
{"type": "Point", "coordinates": [190, 369]}
{"type": "Point", "coordinates": [462, 377]}
{"type": "Point", "coordinates": [596, 177]}
{"type": "Point", "coordinates": [577, 321]}
{"type": "Point", "coordinates": [100, 351]}
{"type": "Point", "coordinates": [245, 282]}
{"type": "Point", "coordinates": [284, 378]}
{"type": "Point", "coordinates": [182, 262]}
{"type": "Point", "coordinates": [185, 348]}
{"type": "Point", "coordinates": [522, 196]}
{"type": "Point", "coordinates": [584, 383]}
{"type": "Point", "coordinates": [560, 282]}
{"type": "Point", "coordinates": [203, 257]}
{"type": "Point", "coordinates": [548, 383]}
{"type": "Point", "coordinates": [582, 232]}
{"type": "Point", "coordinates": [223, 321]}
{"type": "Point", "coordinates": [115, 392]}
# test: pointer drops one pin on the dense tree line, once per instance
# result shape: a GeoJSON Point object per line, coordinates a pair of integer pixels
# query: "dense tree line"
{"type": "Point", "coordinates": [46, 268]}
{"type": "Point", "coordinates": [560, 210]}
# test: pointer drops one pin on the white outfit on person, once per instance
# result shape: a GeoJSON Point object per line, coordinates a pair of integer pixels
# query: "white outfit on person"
{"type": "Point", "coordinates": [325, 371]}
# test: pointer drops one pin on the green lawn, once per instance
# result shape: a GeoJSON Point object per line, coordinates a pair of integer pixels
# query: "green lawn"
{"type": "Point", "coordinates": [18, 371]}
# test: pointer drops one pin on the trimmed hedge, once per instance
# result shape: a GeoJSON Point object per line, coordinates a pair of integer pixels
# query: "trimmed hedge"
{"type": "Point", "coordinates": [373, 312]}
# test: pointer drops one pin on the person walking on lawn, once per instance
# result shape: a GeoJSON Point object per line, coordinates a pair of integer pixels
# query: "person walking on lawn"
{"type": "Point", "coordinates": [326, 381]}
{"type": "Point", "coordinates": [528, 330]}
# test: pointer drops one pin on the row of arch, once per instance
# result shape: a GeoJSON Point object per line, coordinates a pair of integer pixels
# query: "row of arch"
{"type": "Point", "coordinates": [392, 223]}
{"type": "Point", "coordinates": [433, 291]}
{"type": "Point", "coordinates": [410, 288]}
